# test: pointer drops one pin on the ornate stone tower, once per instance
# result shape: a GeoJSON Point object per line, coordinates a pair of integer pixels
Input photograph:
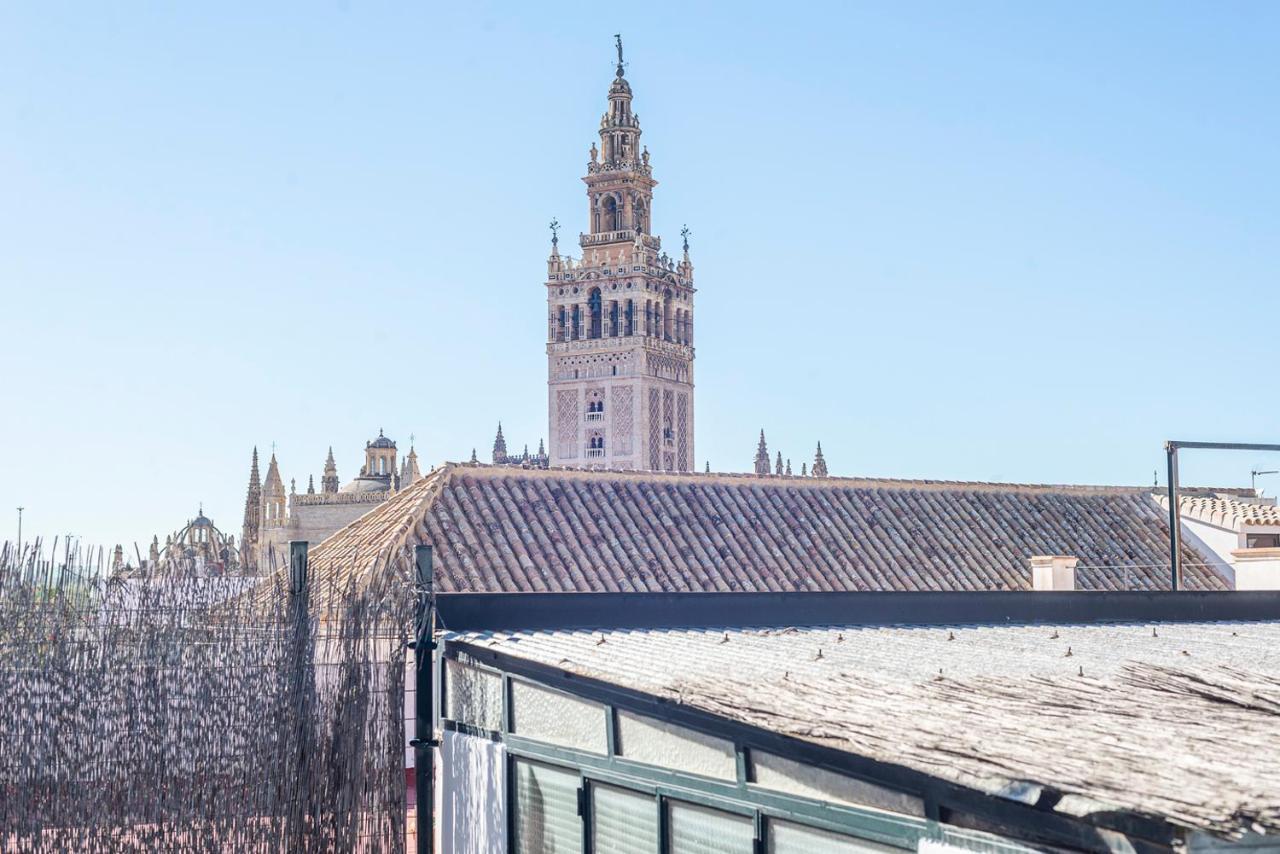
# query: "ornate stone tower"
{"type": "Point", "coordinates": [252, 528]}
{"type": "Point", "coordinates": [620, 319]}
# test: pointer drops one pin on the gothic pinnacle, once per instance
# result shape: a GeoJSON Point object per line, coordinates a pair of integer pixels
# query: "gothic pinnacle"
{"type": "Point", "coordinates": [819, 464]}
{"type": "Point", "coordinates": [762, 456]}
{"type": "Point", "coordinates": [777, 469]}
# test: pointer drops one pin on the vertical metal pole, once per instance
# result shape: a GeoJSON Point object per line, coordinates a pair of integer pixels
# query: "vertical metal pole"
{"type": "Point", "coordinates": [300, 688]}
{"type": "Point", "coordinates": [19, 534]}
{"type": "Point", "coordinates": [1175, 518]}
{"type": "Point", "coordinates": [423, 736]}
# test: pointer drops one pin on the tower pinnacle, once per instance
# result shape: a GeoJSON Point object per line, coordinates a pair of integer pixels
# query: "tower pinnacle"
{"type": "Point", "coordinates": [762, 456]}
{"type": "Point", "coordinates": [617, 38]}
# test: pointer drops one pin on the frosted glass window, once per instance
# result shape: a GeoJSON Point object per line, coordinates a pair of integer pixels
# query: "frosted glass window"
{"type": "Point", "coordinates": [806, 781]}
{"type": "Point", "coordinates": [546, 811]}
{"type": "Point", "coordinates": [787, 838]}
{"type": "Point", "coordinates": [700, 830]}
{"type": "Point", "coordinates": [545, 715]}
{"type": "Point", "coordinates": [655, 742]}
{"type": "Point", "coordinates": [472, 696]}
{"type": "Point", "coordinates": [623, 822]}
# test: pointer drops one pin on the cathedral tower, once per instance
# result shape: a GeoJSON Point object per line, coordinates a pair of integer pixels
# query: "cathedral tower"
{"type": "Point", "coordinates": [252, 528]}
{"type": "Point", "coordinates": [620, 320]}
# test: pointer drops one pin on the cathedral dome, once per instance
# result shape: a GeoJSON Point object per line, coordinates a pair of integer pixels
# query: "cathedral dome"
{"type": "Point", "coordinates": [381, 442]}
{"type": "Point", "coordinates": [368, 483]}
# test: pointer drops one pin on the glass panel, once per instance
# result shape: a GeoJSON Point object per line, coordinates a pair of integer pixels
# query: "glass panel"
{"type": "Point", "coordinates": [546, 811]}
{"type": "Point", "coordinates": [787, 838]}
{"type": "Point", "coordinates": [699, 830]}
{"type": "Point", "coordinates": [472, 696]}
{"type": "Point", "coordinates": [806, 781]}
{"type": "Point", "coordinates": [623, 822]}
{"type": "Point", "coordinates": [545, 715]}
{"type": "Point", "coordinates": [654, 742]}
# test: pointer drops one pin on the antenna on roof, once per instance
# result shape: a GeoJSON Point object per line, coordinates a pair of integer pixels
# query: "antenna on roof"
{"type": "Point", "coordinates": [1253, 478]}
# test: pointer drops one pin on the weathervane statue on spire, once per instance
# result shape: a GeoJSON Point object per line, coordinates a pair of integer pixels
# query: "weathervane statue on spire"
{"type": "Point", "coordinates": [685, 232]}
{"type": "Point", "coordinates": [555, 231]}
{"type": "Point", "coordinates": [617, 37]}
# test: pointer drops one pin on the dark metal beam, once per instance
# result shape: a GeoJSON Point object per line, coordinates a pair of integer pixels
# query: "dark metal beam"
{"type": "Point", "coordinates": [1175, 519]}
{"type": "Point", "coordinates": [1224, 446]}
{"type": "Point", "coordinates": [483, 611]}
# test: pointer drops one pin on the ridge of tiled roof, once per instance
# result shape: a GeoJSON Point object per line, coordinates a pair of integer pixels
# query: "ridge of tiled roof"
{"type": "Point", "coordinates": [739, 478]}
{"type": "Point", "coordinates": [509, 529]}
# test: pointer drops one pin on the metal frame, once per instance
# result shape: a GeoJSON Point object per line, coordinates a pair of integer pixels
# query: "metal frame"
{"type": "Point", "coordinates": [565, 611]}
{"type": "Point", "coordinates": [949, 808]}
{"type": "Point", "coordinates": [1171, 449]}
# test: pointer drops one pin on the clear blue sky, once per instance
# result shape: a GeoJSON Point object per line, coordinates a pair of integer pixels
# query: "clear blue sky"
{"type": "Point", "coordinates": [995, 241]}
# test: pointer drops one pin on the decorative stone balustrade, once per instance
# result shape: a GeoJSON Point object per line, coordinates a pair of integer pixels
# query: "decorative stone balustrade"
{"type": "Point", "coordinates": [321, 498]}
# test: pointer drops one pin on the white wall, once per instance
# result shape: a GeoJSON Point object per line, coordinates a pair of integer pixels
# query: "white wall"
{"type": "Point", "coordinates": [473, 804]}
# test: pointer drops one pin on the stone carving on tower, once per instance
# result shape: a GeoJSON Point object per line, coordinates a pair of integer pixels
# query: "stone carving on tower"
{"type": "Point", "coordinates": [620, 319]}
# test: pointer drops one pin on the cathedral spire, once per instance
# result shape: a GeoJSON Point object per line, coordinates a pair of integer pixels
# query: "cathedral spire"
{"type": "Point", "coordinates": [819, 464]}
{"type": "Point", "coordinates": [762, 456]}
{"type": "Point", "coordinates": [252, 527]}
{"type": "Point", "coordinates": [499, 446]}
{"type": "Point", "coordinates": [329, 480]}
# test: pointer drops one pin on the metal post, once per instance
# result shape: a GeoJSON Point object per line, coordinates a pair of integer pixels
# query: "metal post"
{"type": "Point", "coordinates": [20, 534]}
{"type": "Point", "coordinates": [423, 737]}
{"type": "Point", "coordinates": [300, 687]}
{"type": "Point", "coordinates": [1175, 518]}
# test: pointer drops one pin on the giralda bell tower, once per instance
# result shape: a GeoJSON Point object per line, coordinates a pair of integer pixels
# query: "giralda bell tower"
{"type": "Point", "coordinates": [620, 319]}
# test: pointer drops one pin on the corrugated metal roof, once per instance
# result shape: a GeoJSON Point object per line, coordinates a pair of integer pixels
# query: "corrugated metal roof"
{"type": "Point", "coordinates": [500, 529]}
{"type": "Point", "coordinates": [1175, 720]}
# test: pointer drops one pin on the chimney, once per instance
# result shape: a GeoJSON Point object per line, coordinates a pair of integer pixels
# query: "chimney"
{"type": "Point", "coordinates": [1257, 569]}
{"type": "Point", "coordinates": [1053, 572]}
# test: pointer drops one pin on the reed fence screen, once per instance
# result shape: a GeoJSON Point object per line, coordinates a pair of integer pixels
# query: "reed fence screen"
{"type": "Point", "coordinates": [175, 713]}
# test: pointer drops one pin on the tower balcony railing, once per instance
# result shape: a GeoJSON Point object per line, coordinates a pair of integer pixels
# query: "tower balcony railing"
{"type": "Point", "coordinates": [595, 453]}
{"type": "Point", "coordinates": [595, 416]}
{"type": "Point", "coordinates": [586, 241]}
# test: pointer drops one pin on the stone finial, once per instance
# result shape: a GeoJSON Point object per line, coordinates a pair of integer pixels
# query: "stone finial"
{"type": "Point", "coordinates": [804, 469]}
{"type": "Point", "coordinates": [474, 459]}
{"type": "Point", "coordinates": [777, 467]}
{"type": "Point", "coordinates": [788, 468]}
{"type": "Point", "coordinates": [542, 449]}
{"type": "Point", "coordinates": [311, 484]}
{"type": "Point", "coordinates": [762, 456]}
{"type": "Point", "coordinates": [708, 467]}
{"type": "Point", "coordinates": [819, 464]}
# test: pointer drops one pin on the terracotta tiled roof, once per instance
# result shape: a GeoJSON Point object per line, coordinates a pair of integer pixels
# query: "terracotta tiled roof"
{"type": "Point", "coordinates": [1224, 511]}
{"type": "Point", "coordinates": [499, 529]}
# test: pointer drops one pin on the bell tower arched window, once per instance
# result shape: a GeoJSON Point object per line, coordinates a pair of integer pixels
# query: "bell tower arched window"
{"type": "Point", "coordinates": [609, 218]}
{"type": "Point", "coordinates": [666, 315]}
{"type": "Point", "coordinates": [594, 306]}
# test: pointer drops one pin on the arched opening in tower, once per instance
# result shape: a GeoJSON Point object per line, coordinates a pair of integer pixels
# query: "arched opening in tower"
{"type": "Point", "coordinates": [595, 307]}
{"type": "Point", "coordinates": [609, 220]}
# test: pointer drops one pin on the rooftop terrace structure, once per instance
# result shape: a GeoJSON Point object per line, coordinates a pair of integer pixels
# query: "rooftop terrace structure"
{"type": "Point", "coordinates": [967, 726]}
